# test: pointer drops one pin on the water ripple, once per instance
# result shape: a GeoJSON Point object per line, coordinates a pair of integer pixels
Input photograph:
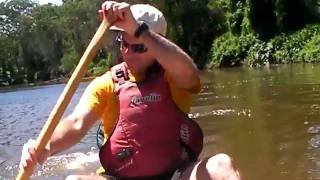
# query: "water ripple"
{"type": "Point", "coordinates": [222, 112]}
{"type": "Point", "coordinates": [315, 141]}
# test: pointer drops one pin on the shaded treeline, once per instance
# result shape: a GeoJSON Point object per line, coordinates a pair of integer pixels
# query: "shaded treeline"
{"type": "Point", "coordinates": [43, 42]}
{"type": "Point", "coordinates": [269, 31]}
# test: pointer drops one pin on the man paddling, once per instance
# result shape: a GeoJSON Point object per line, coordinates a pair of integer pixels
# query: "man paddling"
{"type": "Point", "coordinates": [143, 104]}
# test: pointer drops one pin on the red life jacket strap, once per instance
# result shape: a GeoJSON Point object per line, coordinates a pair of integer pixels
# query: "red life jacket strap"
{"type": "Point", "coordinates": [120, 75]}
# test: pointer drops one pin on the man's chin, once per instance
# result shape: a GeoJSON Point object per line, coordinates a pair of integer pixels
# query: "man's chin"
{"type": "Point", "coordinates": [133, 67]}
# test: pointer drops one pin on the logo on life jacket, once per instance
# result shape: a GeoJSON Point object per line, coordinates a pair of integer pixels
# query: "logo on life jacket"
{"type": "Point", "coordinates": [153, 97]}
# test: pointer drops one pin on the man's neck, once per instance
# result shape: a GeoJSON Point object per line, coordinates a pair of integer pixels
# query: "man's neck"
{"type": "Point", "coordinates": [138, 75]}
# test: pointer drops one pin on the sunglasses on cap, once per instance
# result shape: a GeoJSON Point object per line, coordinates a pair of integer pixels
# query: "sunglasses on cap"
{"type": "Point", "coordinates": [136, 48]}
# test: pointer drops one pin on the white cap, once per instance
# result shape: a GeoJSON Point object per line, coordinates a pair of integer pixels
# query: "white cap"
{"type": "Point", "coordinates": [149, 15]}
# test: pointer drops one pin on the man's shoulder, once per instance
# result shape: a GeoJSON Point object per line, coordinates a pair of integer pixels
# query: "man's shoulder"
{"type": "Point", "coordinates": [102, 83]}
{"type": "Point", "coordinates": [97, 94]}
{"type": "Point", "coordinates": [104, 77]}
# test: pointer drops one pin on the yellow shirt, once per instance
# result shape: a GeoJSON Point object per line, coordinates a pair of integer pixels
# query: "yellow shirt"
{"type": "Point", "coordinates": [100, 97]}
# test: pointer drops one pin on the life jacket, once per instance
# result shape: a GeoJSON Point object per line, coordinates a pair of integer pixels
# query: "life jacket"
{"type": "Point", "coordinates": [152, 134]}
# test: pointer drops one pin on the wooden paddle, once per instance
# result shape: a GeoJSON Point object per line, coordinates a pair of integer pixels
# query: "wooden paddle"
{"type": "Point", "coordinates": [67, 93]}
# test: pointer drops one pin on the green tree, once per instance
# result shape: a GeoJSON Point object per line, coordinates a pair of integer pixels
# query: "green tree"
{"type": "Point", "coordinates": [12, 18]}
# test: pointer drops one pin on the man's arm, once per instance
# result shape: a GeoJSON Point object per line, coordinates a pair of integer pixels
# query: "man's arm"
{"type": "Point", "coordinates": [68, 132]}
{"type": "Point", "coordinates": [71, 130]}
{"type": "Point", "coordinates": [173, 59]}
{"type": "Point", "coordinates": [88, 111]}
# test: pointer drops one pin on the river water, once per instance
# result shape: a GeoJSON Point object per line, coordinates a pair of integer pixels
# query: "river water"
{"type": "Point", "coordinates": [267, 120]}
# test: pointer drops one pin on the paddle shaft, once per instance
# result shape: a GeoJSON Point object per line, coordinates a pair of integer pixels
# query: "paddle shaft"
{"type": "Point", "coordinates": [67, 94]}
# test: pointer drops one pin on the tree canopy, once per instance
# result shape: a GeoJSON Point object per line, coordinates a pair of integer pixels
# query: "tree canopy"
{"type": "Point", "coordinates": [43, 42]}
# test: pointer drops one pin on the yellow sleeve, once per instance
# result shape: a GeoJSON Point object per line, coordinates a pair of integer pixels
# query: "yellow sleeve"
{"type": "Point", "coordinates": [181, 97]}
{"type": "Point", "coordinates": [97, 94]}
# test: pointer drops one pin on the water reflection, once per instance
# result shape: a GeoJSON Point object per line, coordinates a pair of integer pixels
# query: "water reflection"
{"type": "Point", "coordinates": [262, 118]}
{"type": "Point", "coordinates": [266, 119]}
{"type": "Point", "coordinates": [22, 115]}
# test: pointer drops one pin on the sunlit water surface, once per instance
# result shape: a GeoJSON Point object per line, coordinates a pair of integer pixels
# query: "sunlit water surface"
{"type": "Point", "coordinates": [268, 120]}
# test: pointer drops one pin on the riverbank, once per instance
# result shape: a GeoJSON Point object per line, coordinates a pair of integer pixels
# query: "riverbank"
{"type": "Point", "coordinates": [63, 80]}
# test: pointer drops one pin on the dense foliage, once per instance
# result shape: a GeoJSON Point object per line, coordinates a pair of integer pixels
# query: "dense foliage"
{"type": "Point", "coordinates": [267, 32]}
{"type": "Point", "coordinates": [44, 42]}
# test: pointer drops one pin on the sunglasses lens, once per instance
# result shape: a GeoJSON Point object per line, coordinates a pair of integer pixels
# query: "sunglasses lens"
{"type": "Point", "coordinates": [138, 48]}
{"type": "Point", "coordinates": [125, 44]}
